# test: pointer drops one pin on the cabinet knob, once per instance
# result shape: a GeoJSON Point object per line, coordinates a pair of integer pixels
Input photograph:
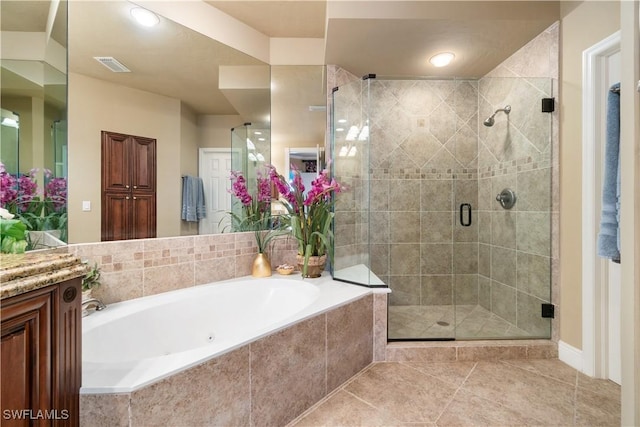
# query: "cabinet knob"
{"type": "Point", "coordinates": [135, 186]}
{"type": "Point", "coordinates": [135, 198]}
{"type": "Point", "coordinates": [127, 198]}
{"type": "Point", "coordinates": [126, 186]}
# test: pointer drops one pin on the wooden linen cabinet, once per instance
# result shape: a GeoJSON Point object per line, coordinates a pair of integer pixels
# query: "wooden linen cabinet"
{"type": "Point", "coordinates": [128, 187]}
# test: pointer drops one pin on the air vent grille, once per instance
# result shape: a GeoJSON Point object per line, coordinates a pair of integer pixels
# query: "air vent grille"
{"type": "Point", "coordinates": [112, 64]}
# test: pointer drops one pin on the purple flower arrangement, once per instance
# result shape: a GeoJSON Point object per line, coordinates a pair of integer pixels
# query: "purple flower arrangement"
{"type": "Point", "coordinates": [310, 216]}
{"type": "Point", "coordinates": [38, 209]}
{"type": "Point", "coordinates": [256, 210]}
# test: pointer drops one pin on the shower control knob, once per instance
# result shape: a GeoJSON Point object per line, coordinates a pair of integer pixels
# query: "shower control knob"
{"type": "Point", "coordinates": [506, 198]}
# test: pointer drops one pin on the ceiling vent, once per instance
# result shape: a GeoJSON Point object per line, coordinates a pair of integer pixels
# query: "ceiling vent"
{"type": "Point", "coordinates": [112, 64]}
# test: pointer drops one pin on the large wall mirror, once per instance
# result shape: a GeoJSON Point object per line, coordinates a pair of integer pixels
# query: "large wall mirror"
{"type": "Point", "coordinates": [33, 97]}
{"type": "Point", "coordinates": [184, 90]}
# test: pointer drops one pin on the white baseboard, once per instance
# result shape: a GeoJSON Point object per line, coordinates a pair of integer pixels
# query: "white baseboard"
{"type": "Point", "coordinates": [570, 355]}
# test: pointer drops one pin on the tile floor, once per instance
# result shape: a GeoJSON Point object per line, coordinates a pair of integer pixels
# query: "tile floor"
{"type": "Point", "coordinates": [437, 321]}
{"type": "Point", "coordinates": [543, 392]}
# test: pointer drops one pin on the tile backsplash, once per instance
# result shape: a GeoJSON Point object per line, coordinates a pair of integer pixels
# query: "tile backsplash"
{"type": "Point", "coordinates": [136, 268]}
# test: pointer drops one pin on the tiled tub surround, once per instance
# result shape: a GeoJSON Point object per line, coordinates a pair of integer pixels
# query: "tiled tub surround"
{"type": "Point", "coordinates": [136, 268]}
{"type": "Point", "coordinates": [267, 382]}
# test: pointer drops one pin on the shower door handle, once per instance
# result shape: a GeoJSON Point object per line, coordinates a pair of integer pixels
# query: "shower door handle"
{"type": "Point", "coordinates": [467, 207]}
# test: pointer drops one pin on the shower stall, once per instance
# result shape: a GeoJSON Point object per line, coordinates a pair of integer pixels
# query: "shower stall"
{"type": "Point", "coordinates": [449, 203]}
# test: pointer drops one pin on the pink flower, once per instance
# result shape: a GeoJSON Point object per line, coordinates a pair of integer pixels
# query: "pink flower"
{"type": "Point", "coordinates": [264, 189]}
{"type": "Point", "coordinates": [8, 184]}
{"type": "Point", "coordinates": [56, 191]}
{"type": "Point", "coordinates": [321, 189]}
{"type": "Point", "coordinates": [239, 188]}
{"type": "Point", "coordinates": [283, 188]}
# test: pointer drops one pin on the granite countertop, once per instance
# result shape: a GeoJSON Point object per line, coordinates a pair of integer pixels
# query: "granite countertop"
{"type": "Point", "coordinates": [20, 273]}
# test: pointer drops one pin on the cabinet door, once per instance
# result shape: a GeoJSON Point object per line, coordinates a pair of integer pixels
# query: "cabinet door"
{"type": "Point", "coordinates": [143, 216]}
{"type": "Point", "coordinates": [128, 187]}
{"type": "Point", "coordinates": [116, 216]}
{"type": "Point", "coordinates": [26, 358]}
{"type": "Point", "coordinates": [143, 164]}
{"type": "Point", "coordinates": [116, 169]}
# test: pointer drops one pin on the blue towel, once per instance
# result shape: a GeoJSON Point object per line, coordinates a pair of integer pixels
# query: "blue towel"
{"type": "Point", "coordinates": [193, 204]}
{"type": "Point", "coordinates": [609, 236]}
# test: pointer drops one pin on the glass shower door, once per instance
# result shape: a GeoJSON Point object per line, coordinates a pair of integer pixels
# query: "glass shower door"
{"type": "Point", "coordinates": [512, 280]}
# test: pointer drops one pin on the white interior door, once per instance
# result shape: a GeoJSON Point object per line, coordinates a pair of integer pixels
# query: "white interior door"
{"type": "Point", "coordinates": [215, 168]}
{"type": "Point", "coordinates": [601, 297]}
{"type": "Point", "coordinates": [613, 276]}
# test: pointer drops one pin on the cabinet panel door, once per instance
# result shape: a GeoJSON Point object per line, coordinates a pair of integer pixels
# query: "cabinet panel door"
{"type": "Point", "coordinates": [143, 167]}
{"type": "Point", "coordinates": [144, 216]}
{"type": "Point", "coordinates": [116, 174]}
{"type": "Point", "coordinates": [26, 359]}
{"type": "Point", "coordinates": [116, 216]}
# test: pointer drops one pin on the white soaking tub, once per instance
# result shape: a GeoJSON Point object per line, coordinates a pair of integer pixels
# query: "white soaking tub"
{"type": "Point", "coordinates": [138, 342]}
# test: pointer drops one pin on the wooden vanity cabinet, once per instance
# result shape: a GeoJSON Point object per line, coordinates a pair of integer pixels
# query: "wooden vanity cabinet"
{"type": "Point", "coordinates": [41, 356]}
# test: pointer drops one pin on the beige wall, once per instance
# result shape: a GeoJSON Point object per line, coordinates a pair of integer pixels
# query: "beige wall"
{"type": "Point", "coordinates": [188, 157]}
{"type": "Point", "coordinates": [95, 106]}
{"type": "Point", "coordinates": [581, 27]}
{"type": "Point", "coordinates": [36, 145]}
{"type": "Point", "coordinates": [215, 131]}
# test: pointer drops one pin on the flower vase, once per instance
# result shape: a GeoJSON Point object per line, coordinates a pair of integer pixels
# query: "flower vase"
{"type": "Point", "coordinates": [261, 266]}
{"type": "Point", "coordinates": [315, 266]}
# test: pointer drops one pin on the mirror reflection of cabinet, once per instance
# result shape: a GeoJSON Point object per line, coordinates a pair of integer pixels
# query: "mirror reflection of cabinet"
{"type": "Point", "coordinates": [128, 187]}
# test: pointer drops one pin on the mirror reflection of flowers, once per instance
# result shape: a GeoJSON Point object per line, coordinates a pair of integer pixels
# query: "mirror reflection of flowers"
{"type": "Point", "coordinates": [256, 210]}
{"type": "Point", "coordinates": [310, 215]}
{"type": "Point", "coordinates": [13, 239]}
{"type": "Point", "coordinates": [44, 209]}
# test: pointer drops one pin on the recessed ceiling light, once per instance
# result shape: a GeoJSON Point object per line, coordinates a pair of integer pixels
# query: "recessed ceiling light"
{"type": "Point", "coordinates": [145, 17]}
{"type": "Point", "coordinates": [442, 59]}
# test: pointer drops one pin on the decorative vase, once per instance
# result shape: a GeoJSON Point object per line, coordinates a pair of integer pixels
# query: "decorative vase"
{"type": "Point", "coordinates": [261, 266]}
{"type": "Point", "coordinates": [315, 266]}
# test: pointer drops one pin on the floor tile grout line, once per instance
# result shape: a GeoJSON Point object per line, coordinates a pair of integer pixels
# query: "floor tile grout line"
{"type": "Point", "coordinates": [331, 394]}
{"type": "Point", "coordinates": [455, 394]}
{"type": "Point", "coordinates": [536, 372]}
{"type": "Point", "coordinates": [364, 401]}
{"type": "Point", "coordinates": [406, 363]}
{"type": "Point", "coordinates": [479, 396]}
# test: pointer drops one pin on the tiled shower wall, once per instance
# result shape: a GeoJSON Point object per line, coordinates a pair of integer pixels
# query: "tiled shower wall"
{"type": "Point", "coordinates": [515, 250]}
{"type": "Point", "coordinates": [430, 153]}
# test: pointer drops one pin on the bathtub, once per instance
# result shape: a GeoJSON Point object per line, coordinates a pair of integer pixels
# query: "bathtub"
{"type": "Point", "coordinates": [134, 343]}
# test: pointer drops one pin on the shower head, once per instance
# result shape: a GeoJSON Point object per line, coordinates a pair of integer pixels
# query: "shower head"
{"type": "Point", "coordinates": [490, 120]}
